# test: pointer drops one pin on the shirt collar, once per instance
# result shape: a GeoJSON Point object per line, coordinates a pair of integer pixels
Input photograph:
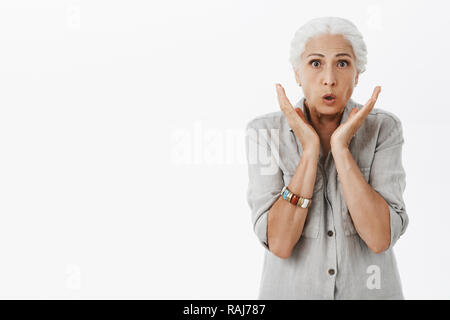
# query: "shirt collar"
{"type": "Point", "coordinates": [348, 107]}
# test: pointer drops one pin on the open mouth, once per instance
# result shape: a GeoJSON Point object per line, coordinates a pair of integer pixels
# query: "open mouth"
{"type": "Point", "coordinates": [329, 98]}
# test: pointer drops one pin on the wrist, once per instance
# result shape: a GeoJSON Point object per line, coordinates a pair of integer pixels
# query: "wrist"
{"type": "Point", "coordinates": [312, 152]}
{"type": "Point", "coordinates": [336, 148]}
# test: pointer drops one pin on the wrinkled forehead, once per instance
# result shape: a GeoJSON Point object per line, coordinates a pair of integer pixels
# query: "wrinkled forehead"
{"type": "Point", "coordinates": [328, 45]}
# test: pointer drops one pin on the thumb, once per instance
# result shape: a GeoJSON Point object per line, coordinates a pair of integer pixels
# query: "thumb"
{"type": "Point", "coordinates": [300, 113]}
{"type": "Point", "coordinates": [353, 112]}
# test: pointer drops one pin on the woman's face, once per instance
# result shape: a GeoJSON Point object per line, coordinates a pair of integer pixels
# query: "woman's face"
{"type": "Point", "coordinates": [327, 67]}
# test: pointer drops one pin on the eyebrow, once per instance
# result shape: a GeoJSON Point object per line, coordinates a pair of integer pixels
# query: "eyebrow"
{"type": "Point", "coordinates": [337, 55]}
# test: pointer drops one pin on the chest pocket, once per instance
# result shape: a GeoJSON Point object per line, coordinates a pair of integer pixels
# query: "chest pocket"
{"type": "Point", "coordinates": [315, 211]}
{"type": "Point", "coordinates": [347, 222]}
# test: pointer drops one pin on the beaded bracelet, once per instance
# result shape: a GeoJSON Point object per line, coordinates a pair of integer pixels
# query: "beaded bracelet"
{"type": "Point", "coordinates": [295, 199]}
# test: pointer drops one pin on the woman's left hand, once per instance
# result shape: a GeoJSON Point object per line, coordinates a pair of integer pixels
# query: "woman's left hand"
{"type": "Point", "coordinates": [344, 133]}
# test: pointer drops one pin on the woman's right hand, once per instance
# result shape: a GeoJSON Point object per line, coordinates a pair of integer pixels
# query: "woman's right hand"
{"type": "Point", "coordinates": [298, 123]}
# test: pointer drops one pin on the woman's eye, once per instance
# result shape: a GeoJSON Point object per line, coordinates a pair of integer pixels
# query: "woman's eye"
{"type": "Point", "coordinates": [342, 63]}
{"type": "Point", "coordinates": [315, 63]}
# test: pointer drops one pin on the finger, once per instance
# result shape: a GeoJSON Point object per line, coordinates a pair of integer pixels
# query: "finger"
{"type": "Point", "coordinates": [300, 113]}
{"type": "Point", "coordinates": [353, 112]}
{"type": "Point", "coordinates": [376, 92]}
{"type": "Point", "coordinates": [362, 114]}
{"type": "Point", "coordinates": [284, 102]}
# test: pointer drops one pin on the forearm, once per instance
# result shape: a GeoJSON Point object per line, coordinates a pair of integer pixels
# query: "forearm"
{"type": "Point", "coordinates": [285, 220]}
{"type": "Point", "coordinates": [369, 211]}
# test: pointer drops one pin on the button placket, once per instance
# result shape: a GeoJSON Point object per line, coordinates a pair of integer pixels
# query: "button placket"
{"type": "Point", "coordinates": [329, 231]}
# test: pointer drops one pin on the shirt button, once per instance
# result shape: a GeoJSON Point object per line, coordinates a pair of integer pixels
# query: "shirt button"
{"type": "Point", "coordinates": [330, 233]}
{"type": "Point", "coordinates": [331, 272]}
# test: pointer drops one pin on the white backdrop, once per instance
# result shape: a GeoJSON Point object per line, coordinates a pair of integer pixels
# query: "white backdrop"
{"type": "Point", "coordinates": [122, 159]}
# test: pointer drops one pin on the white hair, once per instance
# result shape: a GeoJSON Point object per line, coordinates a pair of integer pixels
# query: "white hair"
{"type": "Point", "coordinates": [328, 25]}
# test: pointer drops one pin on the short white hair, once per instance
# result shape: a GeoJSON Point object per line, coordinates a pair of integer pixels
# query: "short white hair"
{"type": "Point", "coordinates": [328, 25]}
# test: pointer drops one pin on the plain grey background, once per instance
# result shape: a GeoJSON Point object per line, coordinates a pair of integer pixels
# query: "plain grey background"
{"type": "Point", "coordinates": [122, 162]}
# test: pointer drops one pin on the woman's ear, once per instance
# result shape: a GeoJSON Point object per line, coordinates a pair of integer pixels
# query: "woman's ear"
{"type": "Point", "coordinates": [356, 79]}
{"type": "Point", "coordinates": [297, 78]}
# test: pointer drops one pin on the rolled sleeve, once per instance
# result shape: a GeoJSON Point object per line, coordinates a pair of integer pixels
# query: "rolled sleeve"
{"type": "Point", "coordinates": [387, 175]}
{"type": "Point", "coordinates": [264, 174]}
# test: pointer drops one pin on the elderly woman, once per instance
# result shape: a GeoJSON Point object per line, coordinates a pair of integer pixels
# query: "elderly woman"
{"type": "Point", "coordinates": [326, 179]}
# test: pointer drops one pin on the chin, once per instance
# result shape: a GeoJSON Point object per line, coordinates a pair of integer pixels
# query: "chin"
{"type": "Point", "coordinates": [330, 110]}
{"type": "Point", "coordinates": [336, 105]}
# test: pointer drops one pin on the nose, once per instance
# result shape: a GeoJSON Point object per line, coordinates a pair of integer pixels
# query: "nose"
{"type": "Point", "coordinates": [329, 78]}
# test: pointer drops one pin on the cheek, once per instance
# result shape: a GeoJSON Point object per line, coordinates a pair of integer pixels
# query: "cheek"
{"type": "Point", "coordinates": [309, 90]}
{"type": "Point", "coordinates": [311, 81]}
{"type": "Point", "coordinates": [348, 93]}
{"type": "Point", "coordinates": [352, 77]}
{"type": "Point", "coordinates": [349, 82]}
{"type": "Point", "coordinates": [308, 74]}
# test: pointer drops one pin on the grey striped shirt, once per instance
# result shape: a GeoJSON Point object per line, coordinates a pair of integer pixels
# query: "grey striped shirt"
{"type": "Point", "coordinates": [330, 260]}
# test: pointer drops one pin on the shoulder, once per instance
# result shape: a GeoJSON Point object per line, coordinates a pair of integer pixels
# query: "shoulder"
{"type": "Point", "coordinates": [381, 125]}
{"type": "Point", "coordinates": [386, 116]}
{"type": "Point", "coordinates": [381, 118]}
{"type": "Point", "coordinates": [271, 120]}
{"type": "Point", "coordinates": [385, 126]}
